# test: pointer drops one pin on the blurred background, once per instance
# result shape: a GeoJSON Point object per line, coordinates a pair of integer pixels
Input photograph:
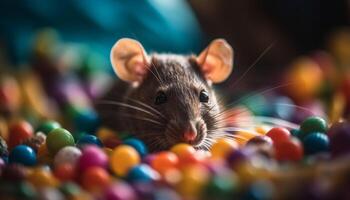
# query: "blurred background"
{"type": "Point", "coordinates": [275, 43]}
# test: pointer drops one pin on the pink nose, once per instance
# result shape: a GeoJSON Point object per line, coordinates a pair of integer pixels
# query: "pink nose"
{"type": "Point", "coordinates": [190, 136]}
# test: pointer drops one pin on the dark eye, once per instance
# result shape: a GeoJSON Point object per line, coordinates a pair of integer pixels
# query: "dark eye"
{"type": "Point", "coordinates": [161, 98]}
{"type": "Point", "coordinates": [203, 96]}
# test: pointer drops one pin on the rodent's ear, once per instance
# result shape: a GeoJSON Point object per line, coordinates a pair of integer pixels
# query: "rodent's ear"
{"type": "Point", "coordinates": [129, 60]}
{"type": "Point", "coordinates": [216, 61]}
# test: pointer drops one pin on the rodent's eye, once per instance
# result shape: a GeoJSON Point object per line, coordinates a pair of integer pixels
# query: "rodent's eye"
{"type": "Point", "coordinates": [203, 96]}
{"type": "Point", "coordinates": [161, 98]}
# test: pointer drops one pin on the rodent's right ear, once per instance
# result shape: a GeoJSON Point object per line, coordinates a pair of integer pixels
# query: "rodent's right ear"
{"type": "Point", "coordinates": [129, 60]}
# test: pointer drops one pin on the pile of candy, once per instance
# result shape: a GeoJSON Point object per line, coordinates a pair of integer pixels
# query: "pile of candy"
{"type": "Point", "coordinates": [52, 145]}
{"type": "Point", "coordinates": [47, 163]}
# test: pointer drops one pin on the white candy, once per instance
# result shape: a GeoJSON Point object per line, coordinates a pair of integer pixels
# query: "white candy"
{"type": "Point", "coordinates": [68, 154]}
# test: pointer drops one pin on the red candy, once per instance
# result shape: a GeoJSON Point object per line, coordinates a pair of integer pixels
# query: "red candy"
{"type": "Point", "coordinates": [278, 134]}
{"type": "Point", "coordinates": [289, 150]}
{"type": "Point", "coordinates": [64, 172]}
{"type": "Point", "coordinates": [164, 161]}
{"type": "Point", "coordinates": [19, 132]}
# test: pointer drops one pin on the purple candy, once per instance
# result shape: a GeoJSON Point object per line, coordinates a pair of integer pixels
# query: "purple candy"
{"type": "Point", "coordinates": [92, 156]}
{"type": "Point", "coordinates": [120, 191]}
{"type": "Point", "coordinates": [339, 136]}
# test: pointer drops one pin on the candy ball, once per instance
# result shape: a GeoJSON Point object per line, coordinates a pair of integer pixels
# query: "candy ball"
{"type": "Point", "coordinates": [315, 143]}
{"type": "Point", "coordinates": [19, 132]}
{"type": "Point", "coordinates": [186, 154]}
{"type": "Point", "coordinates": [120, 191]}
{"type": "Point", "coordinates": [57, 139]}
{"type": "Point", "coordinates": [89, 139]}
{"type": "Point", "coordinates": [138, 145]}
{"type": "Point", "coordinates": [237, 157]}
{"type": "Point", "coordinates": [64, 172]}
{"type": "Point", "coordinates": [289, 150]}
{"type": "Point", "coordinates": [222, 147]}
{"type": "Point", "coordinates": [40, 177]}
{"type": "Point", "coordinates": [193, 179]}
{"type": "Point", "coordinates": [123, 158]}
{"type": "Point", "coordinates": [260, 140]}
{"type": "Point", "coordinates": [278, 134]}
{"type": "Point", "coordinates": [164, 161]}
{"type": "Point", "coordinates": [92, 156]}
{"type": "Point", "coordinates": [86, 121]}
{"type": "Point", "coordinates": [23, 154]}
{"type": "Point", "coordinates": [95, 178]}
{"type": "Point", "coordinates": [47, 126]}
{"type": "Point", "coordinates": [313, 124]}
{"type": "Point", "coordinates": [14, 172]}
{"type": "Point", "coordinates": [142, 173]}
{"type": "Point", "coordinates": [68, 154]}
{"type": "Point", "coordinates": [219, 187]}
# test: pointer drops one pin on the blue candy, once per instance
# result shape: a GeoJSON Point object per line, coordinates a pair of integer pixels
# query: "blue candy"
{"type": "Point", "coordinates": [316, 143]}
{"type": "Point", "coordinates": [142, 173]}
{"type": "Point", "coordinates": [89, 139]}
{"type": "Point", "coordinates": [23, 154]}
{"type": "Point", "coordinates": [138, 145]}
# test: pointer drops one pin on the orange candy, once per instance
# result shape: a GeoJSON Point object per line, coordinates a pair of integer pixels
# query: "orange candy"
{"type": "Point", "coordinates": [95, 179]}
{"type": "Point", "coordinates": [19, 132]}
{"type": "Point", "coordinates": [222, 147]}
{"type": "Point", "coordinates": [186, 154]}
{"type": "Point", "coordinates": [164, 161]}
{"type": "Point", "coordinates": [64, 172]}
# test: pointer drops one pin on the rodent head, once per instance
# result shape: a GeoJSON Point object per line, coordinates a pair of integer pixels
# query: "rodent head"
{"type": "Point", "coordinates": [173, 93]}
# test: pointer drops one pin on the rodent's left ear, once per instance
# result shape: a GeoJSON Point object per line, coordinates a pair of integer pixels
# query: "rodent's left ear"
{"type": "Point", "coordinates": [216, 61]}
{"type": "Point", "coordinates": [129, 60]}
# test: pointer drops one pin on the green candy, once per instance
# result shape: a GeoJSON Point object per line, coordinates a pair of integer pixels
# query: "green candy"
{"type": "Point", "coordinates": [313, 124]}
{"type": "Point", "coordinates": [48, 126]}
{"type": "Point", "coordinates": [57, 139]}
{"type": "Point", "coordinates": [219, 187]}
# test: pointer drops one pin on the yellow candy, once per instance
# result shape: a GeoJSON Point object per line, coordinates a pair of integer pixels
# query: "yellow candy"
{"type": "Point", "coordinates": [194, 177]}
{"type": "Point", "coordinates": [222, 147]}
{"type": "Point", "coordinates": [242, 137]}
{"type": "Point", "coordinates": [105, 133]}
{"type": "Point", "coordinates": [42, 178]}
{"type": "Point", "coordinates": [263, 129]}
{"type": "Point", "coordinates": [123, 158]}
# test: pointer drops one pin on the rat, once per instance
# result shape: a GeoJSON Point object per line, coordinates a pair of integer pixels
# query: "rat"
{"type": "Point", "coordinates": [165, 99]}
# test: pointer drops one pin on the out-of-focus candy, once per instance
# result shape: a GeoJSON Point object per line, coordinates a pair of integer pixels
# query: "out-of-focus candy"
{"type": "Point", "coordinates": [123, 158]}
{"type": "Point", "coordinates": [3, 147]}
{"type": "Point", "coordinates": [260, 140]}
{"type": "Point", "coordinates": [278, 134]}
{"type": "Point", "coordinates": [164, 161]}
{"type": "Point", "coordinates": [40, 177]}
{"type": "Point", "coordinates": [90, 140]}
{"type": "Point", "coordinates": [223, 147]}
{"type": "Point", "coordinates": [142, 173]}
{"type": "Point", "coordinates": [19, 131]}
{"type": "Point", "coordinates": [313, 124]}
{"type": "Point", "coordinates": [138, 145]}
{"type": "Point", "coordinates": [193, 180]}
{"type": "Point", "coordinates": [92, 156]}
{"type": "Point", "coordinates": [339, 135]}
{"type": "Point", "coordinates": [95, 179]}
{"type": "Point", "coordinates": [23, 154]}
{"type": "Point", "coordinates": [64, 172]}
{"type": "Point", "coordinates": [186, 154]}
{"type": "Point", "coordinates": [219, 187]}
{"type": "Point", "coordinates": [47, 126]}
{"type": "Point", "coordinates": [289, 150]}
{"type": "Point", "coordinates": [14, 172]}
{"type": "Point", "coordinates": [36, 141]}
{"type": "Point", "coordinates": [86, 121]}
{"type": "Point", "coordinates": [315, 143]}
{"type": "Point", "coordinates": [57, 139]}
{"type": "Point", "coordinates": [119, 191]}
{"type": "Point", "coordinates": [68, 154]}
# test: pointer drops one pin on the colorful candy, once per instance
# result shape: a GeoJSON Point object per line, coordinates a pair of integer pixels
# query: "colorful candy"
{"type": "Point", "coordinates": [57, 139]}
{"type": "Point", "coordinates": [164, 161]}
{"type": "Point", "coordinates": [47, 126]}
{"type": "Point", "coordinates": [19, 132]}
{"type": "Point", "coordinates": [278, 134]}
{"type": "Point", "coordinates": [89, 139]}
{"type": "Point", "coordinates": [123, 158]}
{"type": "Point", "coordinates": [92, 156]}
{"type": "Point", "coordinates": [289, 150]}
{"type": "Point", "coordinates": [95, 179]}
{"type": "Point", "coordinates": [23, 154]}
{"type": "Point", "coordinates": [315, 143]}
{"type": "Point", "coordinates": [223, 147]}
{"type": "Point", "coordinates": [313, 124]}
{"type": "Point", "coordinates": [138, 145]}
{"type": "Point", "coordinates": [68, 154]}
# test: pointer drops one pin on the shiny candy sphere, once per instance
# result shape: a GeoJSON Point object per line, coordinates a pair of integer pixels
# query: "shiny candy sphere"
{"type": "Point", "coordinates": [123, 158]}
{"type": "Point", "coordinates": [23, 154]}
{"type": "Point", "coordinates": [313, 124]}
{"type": "Point", "coordinates": [47, 126]}
{"type": "Point", "coordinates": [164, 161]}
{"type": "Point", "coordinates": [289, 150]}
{"type": "Point", "coordinates": [88, 139]}
{"type": "Point", "coordinates": [57, 139]}
{"type": "Point", "coordinates": [315, 143]}
{"type": "Point", "coordinates": [92, 156]}
{"type": "Point", "coordinates": [186, 154]}
{"type": "Point", "coordinates": [278, 134]}
{"type": "Point", "coordinates": [68, 154]}
{"type": "Point", "coordinates": [142, 173]}
{"type": "Point", "coordinates": [95, 179]}
{"type": "Point", "coordinates": [138, 145]}
{"type": "Point", "coordinates": [193, 180]}
{"type": "Point", "coordinates": [19, 132]}
{"type": "Point", "coordinates": [260, 140]}
{"type": "Point", "coordinates": [223, 147]}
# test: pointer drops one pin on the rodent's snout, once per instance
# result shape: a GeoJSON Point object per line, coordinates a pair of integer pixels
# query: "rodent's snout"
{"type": "Point", "coordinates": [194, 133]}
